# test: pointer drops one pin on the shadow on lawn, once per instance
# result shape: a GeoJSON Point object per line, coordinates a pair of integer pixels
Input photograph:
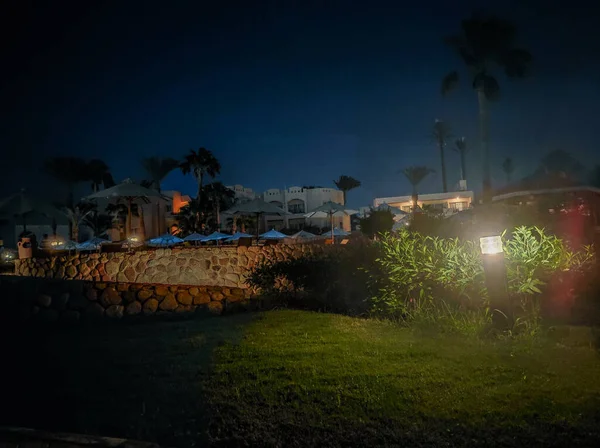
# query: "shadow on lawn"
{"type": "Point", "coordinates": [144, 381]}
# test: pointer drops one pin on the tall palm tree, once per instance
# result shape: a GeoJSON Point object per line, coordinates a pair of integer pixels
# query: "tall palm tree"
{"type": "Point", "coordinates": [77, 216]}
{"type": "Point", "coordinates": [462, 149]}
{"type": "Point", "coordinates": [97, 171]}
{"type": "Point", "coordinates": [200, 163]}
{"type": "Point", "coordinates": [219, 198]}
{"type": "Point", "coordinates": [508, 167]}
{"type": "Point", "coordinates": [158, 168]}
{"type": "Point", "coordinates": [346, 183]}
{"type": "Point", "coordinates": [415, 175]}
{"type": "Point", "coordinates": [483, 44]}
{"type": "Point", "coordinates": [441, 133]}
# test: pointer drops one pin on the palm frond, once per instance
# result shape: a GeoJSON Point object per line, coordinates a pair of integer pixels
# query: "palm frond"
{"type": "Point", "coordinates": [449, 82]}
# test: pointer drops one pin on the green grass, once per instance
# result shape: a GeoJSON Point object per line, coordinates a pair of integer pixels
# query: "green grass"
{"type": "Point", "coordinates": [292, 378]}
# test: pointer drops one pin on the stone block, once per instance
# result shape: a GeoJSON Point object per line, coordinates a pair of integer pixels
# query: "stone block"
{"type": "Point", "coordinates": [92, 294]}
{"type": "Point", "coordinates": [169, 303]}
{"type": "Point", "coordinates": [201, 297]}
{"type": "Point", "coordinates": [110, 296]}
{"type": "Point", "coordinates": [133, 308]}
{"type": "Point", "coordinates": [215, 308]}
{"type": "Point", "coordinates": [144, 295]}
{"type": "Point", "coordinates": [184, 298]}
{"type": "Point", "coordinates": [161, 290]}
{"type": "Point", "coordinates": [115, 311]}
{"type": "Point", "coordinates": [150, 306]}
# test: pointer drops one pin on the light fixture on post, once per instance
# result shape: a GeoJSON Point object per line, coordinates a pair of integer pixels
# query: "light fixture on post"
{"type": "Point", "coordinates": [495, 279]}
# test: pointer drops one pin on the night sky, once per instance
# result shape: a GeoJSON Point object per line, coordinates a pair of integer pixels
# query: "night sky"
{"type": "Point", "coordinates": [285, 93]}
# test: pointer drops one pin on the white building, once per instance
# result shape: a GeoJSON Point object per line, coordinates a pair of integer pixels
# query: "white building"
{"type": "Point", "coordinates": [297, 201]}
{"type": "Point", "coordinates": [448, 203]}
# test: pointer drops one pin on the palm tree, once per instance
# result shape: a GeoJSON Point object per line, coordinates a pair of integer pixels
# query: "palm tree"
{"type": "Point", "coordinates": [200, 163]}
{"type": "Point", "coordinates": [461, 149]}
{"type": "Point", "coordinates": [158, 168]}
{"type": "Point", "coordinates": [483, 44]}
{"type": "Point", "coordinates": [508, 167]}
{"type": "Point", "coordinates": [97, 171]}
{"type": "Point", "coordinates": [346, 183]}
{"type": "Point", "coordinates": [441, 133]}
{"type": "Point", "coordinates": [219, 198]}
{"type": "Point", "coordinates": [77, 215]}
{"type": "Point", "coordinates": [415, 175]}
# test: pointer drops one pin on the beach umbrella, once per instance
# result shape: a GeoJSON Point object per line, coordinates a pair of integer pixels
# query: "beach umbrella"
{"type": "Point", "coordinates": [237, 235]}
{"type": "Point", "coordinates": [216, 236]}
{"type": "Point", "coordinates": [92, 244]}
{"type": "Point", "coordinates": [256, 207]}
{"type": "Point", "coordinates": [194, 237]}
{"type": "Point", "coordinates": [273, 235]}
{"type": "Point", "coordinates": [329, 210]}
{"type": "Point", "coordinates": [128, 191]}
{"type": "Point", "coordinates": [336, 232]}
{"type": "Point", "coordinates": [165, 240]}
{"type": "Point", "coordinates": [303, 234]}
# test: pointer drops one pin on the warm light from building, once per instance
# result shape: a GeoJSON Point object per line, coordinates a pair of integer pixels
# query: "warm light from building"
{"type": "Point", "coordinates": [491, 245]}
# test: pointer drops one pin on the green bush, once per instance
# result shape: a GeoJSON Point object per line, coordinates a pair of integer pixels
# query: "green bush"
{"type": "Point", "coordinates": [436, 279]}
{"type": "Point", "coordinates": [330, 281]}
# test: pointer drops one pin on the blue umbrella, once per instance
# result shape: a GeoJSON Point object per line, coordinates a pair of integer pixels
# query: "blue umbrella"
{"type": "Point", "coordinates": [92, 244]}
{"type": "Point", "coordinates": [237, 235]}
{"type": "Point", "coordinates": [67, 245]}
{"type": "Point", "coordinates": [336, 232]}
{"type": "Point", "coordinates": [216, 236]}
{"type": "Point", "coordinates": [195, 237]}
{"type": "Point", "coordinates": [273, 235]}
{"type": "Point", "coordinates": [165, 240]}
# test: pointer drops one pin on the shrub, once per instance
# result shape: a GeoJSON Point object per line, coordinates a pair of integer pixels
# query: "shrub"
{"type": "Point", "coordinates": [433, 279]}
{"type": "Point", "coordinates": [330, 281]}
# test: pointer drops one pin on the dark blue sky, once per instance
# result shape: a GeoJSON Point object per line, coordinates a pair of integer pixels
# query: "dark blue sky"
{"type": "Point", "coordinates": [285, 93]}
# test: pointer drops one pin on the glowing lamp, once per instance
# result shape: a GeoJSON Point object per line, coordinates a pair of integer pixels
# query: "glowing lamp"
{"type": "Point", "coordinates": [491, 245]}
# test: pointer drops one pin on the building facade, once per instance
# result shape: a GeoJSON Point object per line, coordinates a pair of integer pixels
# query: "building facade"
{"type": "Point", "coordinates": [297, 201]}
{"type": "Point", "coordinates": [446, 203]}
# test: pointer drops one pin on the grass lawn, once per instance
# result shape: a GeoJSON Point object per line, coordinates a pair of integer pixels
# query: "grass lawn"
{"type": "Point", "coordinates": [293, 378]}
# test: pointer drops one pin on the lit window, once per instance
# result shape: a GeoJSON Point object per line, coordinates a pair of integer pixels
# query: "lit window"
{"type": "Point", "coordinates": [459, 206]}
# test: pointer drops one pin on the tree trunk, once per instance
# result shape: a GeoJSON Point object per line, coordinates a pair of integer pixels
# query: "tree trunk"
{"type": "Point", "coordinates": [344, 193]}
{"type": "Point", "coordinates": [485, 151]}
{"type": "Point", "coordinates": [463, 166]}
{"type": "Point", "coordinates": [443, 162]}
{"type": "Point", "coordinates": [128, 219]}
{"type": "Point", "coordinates": [415, 198]}
{"type": "Point", "coordinates": [199, 202]}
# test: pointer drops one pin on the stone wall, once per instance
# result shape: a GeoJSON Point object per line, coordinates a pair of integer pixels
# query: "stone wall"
{"type": "Point", "coordinates": [218, 266]}
{"type": "Point", "coordinates": [25, 298]}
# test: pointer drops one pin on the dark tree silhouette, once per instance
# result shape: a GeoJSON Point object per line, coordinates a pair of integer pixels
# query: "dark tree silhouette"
{"type": "Point", "coordinates": [462, 149]}
{"type": "Point", "coordinates": [346, 183]}
{"type": "Point", "coordinates": [415, 175]}
{"type": "Point", "coordinates": [483, 44]}
{"type": "Point", "coordinates": [441, 133]}
{"type": "Point", "coordinates": [508, 167]}
{"type": "Point", "coordinates": [158, 168]}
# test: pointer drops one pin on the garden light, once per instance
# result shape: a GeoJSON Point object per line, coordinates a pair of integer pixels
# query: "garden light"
{"type": "Point", "coordinates": [495, 279]}
{"type": "Point", "coordinates": [491, 245]}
